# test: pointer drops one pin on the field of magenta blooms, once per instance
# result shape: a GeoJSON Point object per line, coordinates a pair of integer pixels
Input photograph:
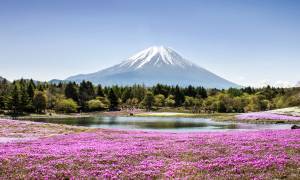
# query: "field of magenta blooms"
{"type": "Point", "coordinates": [266, 116]}
{"type": "Point", "coordinates": [111, 154]}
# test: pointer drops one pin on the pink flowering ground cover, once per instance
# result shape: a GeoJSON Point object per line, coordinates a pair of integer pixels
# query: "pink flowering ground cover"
{"type": "Point", "coordinates": [108, 154]}
{"type": "Point", "coordinates": [12, 130]}
{"type": "Point", "coordinates": [267, 116]}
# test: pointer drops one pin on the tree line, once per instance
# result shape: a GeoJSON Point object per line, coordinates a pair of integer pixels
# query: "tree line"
{"type": "Point", "coordinates": [26, 96]}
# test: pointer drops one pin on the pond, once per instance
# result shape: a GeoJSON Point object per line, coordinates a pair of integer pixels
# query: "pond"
{"type": "Point", "coordinates": [171, 124]}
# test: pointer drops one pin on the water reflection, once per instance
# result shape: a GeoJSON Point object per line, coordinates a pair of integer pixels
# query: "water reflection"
{"type": "Point", "coordinates": [160, 124]}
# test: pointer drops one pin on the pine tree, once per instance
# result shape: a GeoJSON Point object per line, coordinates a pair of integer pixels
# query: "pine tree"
{"type": "Point", "coordinates": [126, 95]}
{"type": "Point", "coordinates": [86, 93]}
{"type": "Point", "coordinates": [113, 99]}
{"type": "Point", "coordinates": [15, 100]}
{"type": "Point", "coordinates": [179, 96]}
{"type": "Point", "coordinates": [100, 91]}
{"type": "Point", "coordinates": [24, 99]}
{"type": "Point", "coordinates": [30, 90]}
{"type": "Point", "coordinates": [201, 92]}
{"type": "Point", "coordinates": [190, 91]}
{"type": "Point", "coordinates": [148, 100]}
{"type": "Point", "coordinates": [40, 101]}
{"type": "Point", "coordinates": [71, 91]}
{"type": "Point", "coordinates": [4, 94]}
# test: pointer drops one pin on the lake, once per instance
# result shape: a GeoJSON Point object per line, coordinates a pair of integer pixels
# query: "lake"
{"type": "Point", "coordinates": [169, 124]}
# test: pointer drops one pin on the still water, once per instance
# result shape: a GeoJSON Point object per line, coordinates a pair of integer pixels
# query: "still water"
{"type": "Point", "coordinates": [171, 124]}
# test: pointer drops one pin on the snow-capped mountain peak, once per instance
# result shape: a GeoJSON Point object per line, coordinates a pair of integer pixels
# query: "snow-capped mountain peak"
{"type": "Point", "coordinates": [153, 65]}
{"type": "Point", "coordinates": [156, 56]}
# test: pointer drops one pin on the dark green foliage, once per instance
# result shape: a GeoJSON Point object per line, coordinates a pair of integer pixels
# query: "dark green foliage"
{"type": "Point", "coordinates": [148, 100]}
{"type": "Point", "coordinates": [179, 96]}
{"type": "Point", "coordinates": [40, 101]}
{"type": "Point", "coordinates": [30, 90]}
{"type": "Point", "coordinates": [234, 92]}
{"type": "Point", "coordinates": [113, 99]}
{"type": "Point", "coordinates": [126, 95]}
{"type": "Point", "coordinates": [23, 96]}
{"type": "Point", "coordinates": [86, 93]}
{"type": "Point", "coordinates": [15, 101]}
{"type": "Point", "coordinates": [100, 92]}
{"type": "Point", "coordinates": [4, 94]}
{"type": "Point", "coordinates": [71, 91]}
{"type": "Point", "coordinates": [25, 103]}
{"type": "Point", "coordinates": [201, 92]}
{"type": "Point", "coordinates": [190, 91]}
{"type": "Point", "coordinates": [161, 89]}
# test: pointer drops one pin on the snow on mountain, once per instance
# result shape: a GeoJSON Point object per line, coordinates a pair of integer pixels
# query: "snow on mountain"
{"type": "Point", "coordinates": [156, 65]}
{"type": "Point", "coordinates": [156, 56]}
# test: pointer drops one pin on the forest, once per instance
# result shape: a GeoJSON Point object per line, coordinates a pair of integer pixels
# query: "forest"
{"type": "Point", "coordinates": [27, 96]}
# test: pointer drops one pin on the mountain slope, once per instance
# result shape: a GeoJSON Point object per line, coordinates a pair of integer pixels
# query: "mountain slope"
{"type": "Point", "coordinates": [156, 65]}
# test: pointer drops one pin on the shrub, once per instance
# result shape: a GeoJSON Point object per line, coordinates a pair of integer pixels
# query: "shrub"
{"type": "Point", "coordinates": [170, 102]}
{"type": "Point", "coordinates": [66, 106]}
{"type": "Point", "coordinates": [95, 105]}
{"type": "Point", "coordinates": [159, 100]}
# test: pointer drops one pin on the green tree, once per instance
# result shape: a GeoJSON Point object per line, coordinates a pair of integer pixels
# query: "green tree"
{"type": "Point", "coordinates": [25, 103]}
{"type": "Point", "coordinates": [148, 100]}
{"type": "Point", "coordinates": [40, 101]}
{"type": "Point", "coordinates": [189, 101]}
{"type": "Point", "coordinates": [95, 105]}
{"type": "Point", "coordinates": [113, 99]}
{"type": "Point", "coordinates": [190, 91]}
{"type": "Point", "coordinates": [5, 92]}
{"type": "Point", "coordinates": [66, 106]}
{"type": "Point", "coordinates": [71, 91]}
{"type": "Point", "coordinates": [100, 92]}
{"type": "Point", "coordinates": [15, 101]}
{"type": "Point", "coordinates": [159, 100]}
{"type": "Point", "coordinates": [86, 93]}
{"type": "Point", "coordinates": [126, 95]}
{"type": "Point", "coordinates": [198, 105]}
{"type": "Point", "coordinates": [169, 101]}
{"type": "Point", "coordinates": [179, 96]}
{"type": "Point", "coordinates": [30, 90]}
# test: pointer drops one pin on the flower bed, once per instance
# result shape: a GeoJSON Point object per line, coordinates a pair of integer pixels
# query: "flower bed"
{"type": "Point", "coordinates": [107, 154]}
{"type": "Point", "coordinates": [14, 130]}
{"type": "Point", "coordinates": [266, 116]}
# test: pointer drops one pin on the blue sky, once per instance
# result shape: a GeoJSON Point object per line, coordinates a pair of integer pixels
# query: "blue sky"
{"type": "Point", "coordinates": [250, 42]}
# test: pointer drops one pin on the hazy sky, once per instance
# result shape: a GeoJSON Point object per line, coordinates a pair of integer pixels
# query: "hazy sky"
{"type": "Point", "coordinates": [248, 42]}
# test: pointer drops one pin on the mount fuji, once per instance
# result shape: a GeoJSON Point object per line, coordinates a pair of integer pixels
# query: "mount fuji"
{"type": "Point", "coordinates": [156, 65]}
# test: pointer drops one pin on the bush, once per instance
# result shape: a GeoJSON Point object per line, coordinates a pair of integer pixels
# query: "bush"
{"type": "Point", "coordinates": [95, 105]}
{"type": "Point", "coordinates": [66, 106]}
{"type": "Point", "coordinates": [170, 102]}
{"type": "Point", "coordinates": [189, 101]}
{"type": "Point", "coordinates": [159, 100]}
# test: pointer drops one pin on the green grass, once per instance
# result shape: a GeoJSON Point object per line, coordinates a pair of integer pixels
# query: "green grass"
{"type": "Point", "coordinates": [214, 116]}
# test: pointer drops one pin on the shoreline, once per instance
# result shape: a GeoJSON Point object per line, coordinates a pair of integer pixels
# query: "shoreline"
{"type": "Point", "coordinates": [140, 113]}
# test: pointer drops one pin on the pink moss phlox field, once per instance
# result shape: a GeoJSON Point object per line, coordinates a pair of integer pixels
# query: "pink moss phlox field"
{"type": "Point", "coordinates": [13, 130]}
{"type": "Point", "coordinates": [266, 116]}
{"type": "Point", "coordinates": [107, 154]}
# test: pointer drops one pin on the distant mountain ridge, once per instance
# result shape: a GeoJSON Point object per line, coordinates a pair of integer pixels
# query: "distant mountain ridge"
{"type": "Point", "coordinates": [156, 65]}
